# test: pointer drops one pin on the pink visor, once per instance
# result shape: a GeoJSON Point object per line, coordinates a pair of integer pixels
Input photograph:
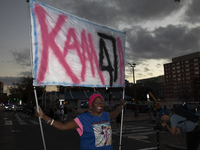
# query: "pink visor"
{"type": "Point", "coordinates": [93, 97]}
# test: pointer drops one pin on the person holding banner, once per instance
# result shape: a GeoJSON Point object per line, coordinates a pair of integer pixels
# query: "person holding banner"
{"type": "Point", "coordinates": [94, 127]}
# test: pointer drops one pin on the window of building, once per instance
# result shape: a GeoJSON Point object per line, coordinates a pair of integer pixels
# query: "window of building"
{"type": "Point", "coordinates": [196, 59]}
{"type": "Point", "coordinates": [178, 71]}
{"type": "Point", "coordinates": [196, 68]}
{"type": "Point", "coordinates": [195, 64]}
{"type": "Point", "coordinates": [187, 65]}
{"type": "Point", "coordinates": [187, 69]}
{"type": "Point", "coordinates": [178, 67]}
{"type": "Point", "coordinates": [179, 79]}
{"type": "Point", "coordinates": [173, 72]}
{"type": "Point", "coordinates": [187, 74]}
{"type": "Point", "coordinates": [174, 76]}
{"type": "Point", "coordinates": [186, 61]}
{"type": "Point", "coordinates": [178, 63]}
{"type": "Point", "coordinates": [187, 78]}
{"type": "Point", "coordinates": [196, 72]}
{"type": "Point", "coordinates": [179, 75]}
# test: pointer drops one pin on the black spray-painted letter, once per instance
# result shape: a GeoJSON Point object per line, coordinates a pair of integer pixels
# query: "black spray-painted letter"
{"type": "Point", "coordinates": [104, 50]}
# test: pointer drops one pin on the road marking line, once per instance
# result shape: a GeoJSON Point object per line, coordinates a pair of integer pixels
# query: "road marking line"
{"type": "Point", "coordinates": [148, 148]}
{"type": "Point", "coordinates": [21, 122]}
{"type": "Point", "coordinates": [8, 122]}
{"type": "Point", "coordinates": [34, 122]}
{"type": "Point", "coordinates": [142, 130]}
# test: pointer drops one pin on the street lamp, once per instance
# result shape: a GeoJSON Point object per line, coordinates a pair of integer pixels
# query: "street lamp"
{"type": "Point", "coordinates": [133, 66]}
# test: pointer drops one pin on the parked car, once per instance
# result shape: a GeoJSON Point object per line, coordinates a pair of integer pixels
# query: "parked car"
{"type": "Point", "coordinates": [9, 107]}
{"type": "Point", "coordinates": [20, 108]}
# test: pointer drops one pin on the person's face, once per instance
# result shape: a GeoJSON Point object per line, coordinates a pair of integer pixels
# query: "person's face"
{"type": "Point", "coordinates": [97, 105]}
{"type": "Point", "coordinates": [164, 118]}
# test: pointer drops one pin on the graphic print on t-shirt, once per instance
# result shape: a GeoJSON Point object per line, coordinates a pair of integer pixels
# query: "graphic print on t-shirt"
{"type": "Point", "coordinates": [103, 133]}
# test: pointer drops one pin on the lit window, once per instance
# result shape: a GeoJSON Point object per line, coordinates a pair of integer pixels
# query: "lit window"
{"type": "Point", "coordinates": [196, 59]}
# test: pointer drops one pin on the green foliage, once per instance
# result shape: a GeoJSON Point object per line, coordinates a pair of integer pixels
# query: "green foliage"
{"type": "Point", "coordinates": [23, 90]}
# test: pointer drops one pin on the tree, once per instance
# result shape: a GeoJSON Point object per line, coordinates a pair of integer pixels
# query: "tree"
{"type": "Point", "coordinates": [23, 90]}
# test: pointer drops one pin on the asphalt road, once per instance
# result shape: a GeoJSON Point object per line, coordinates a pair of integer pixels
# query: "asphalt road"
{"type": "Point", "coordinates": [24, 133]}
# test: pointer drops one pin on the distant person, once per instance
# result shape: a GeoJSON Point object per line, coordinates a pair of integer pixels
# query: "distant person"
{"type": "Point", "coordinates": [65, 111]}
{"type": "Point", "coordinates": [57, 113]}
{"type": "Point", "coordinates": [14, 110]}
{"type": "Point", "coordinates": [165, 107]}
{"type": "Point", "coordinates": [154, 112]}
{"type": "Point", "coordinates": [94, 127]}
{"type": "Point", "coordinates": [51, 112]}
{"type": "Point", "coordinates": [118, 120]}
{"type": "Point", "coordinates": [192, 129]}
{"type": "Point", "coordinates": [147, 111]}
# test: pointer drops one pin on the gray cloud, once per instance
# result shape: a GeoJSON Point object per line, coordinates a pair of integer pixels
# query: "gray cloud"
{"type": "Point", "coordinates": [8, 80]}
{"type": "Point", "coordinates": [163, 42]}
{"type": "Point", "coordinates": [22, 57]}
{"type": "Point", "coordinates": [193, 12]}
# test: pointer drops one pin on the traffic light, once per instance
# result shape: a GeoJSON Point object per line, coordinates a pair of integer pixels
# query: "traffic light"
{"type": "Point", "coordinates": [14, 99]}
{"type": "Point", "coordinates": [18, 99]}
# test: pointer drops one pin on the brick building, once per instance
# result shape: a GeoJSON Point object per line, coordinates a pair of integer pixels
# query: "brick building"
{"type": "Point", "coordinates": [182, 78]}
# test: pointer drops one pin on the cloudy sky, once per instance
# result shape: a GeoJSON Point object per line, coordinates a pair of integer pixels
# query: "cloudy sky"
{"type": "Point", "coordinates": [156, 31]}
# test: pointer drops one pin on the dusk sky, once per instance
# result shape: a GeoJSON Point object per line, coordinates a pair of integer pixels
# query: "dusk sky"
{"type": "Point", "coordinates": [156, 31]}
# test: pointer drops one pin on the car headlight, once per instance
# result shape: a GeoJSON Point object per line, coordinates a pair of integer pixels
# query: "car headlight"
{"type": "Point", "coordinates": [6, 106]}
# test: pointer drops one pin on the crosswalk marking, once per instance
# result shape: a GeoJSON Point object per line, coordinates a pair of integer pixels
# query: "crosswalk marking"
{"type": "Point", "coordinates": [136, 130]}
{"type": "Point", "coordinates": [8, 122]}
{"type": "Point", "coordinates": [34, 122]}
{"type": "Point", "coordinates": [22, 122]}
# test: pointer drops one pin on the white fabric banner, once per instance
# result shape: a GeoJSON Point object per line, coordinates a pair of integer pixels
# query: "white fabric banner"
{"type": "Point", "coordinates": [70, 51]}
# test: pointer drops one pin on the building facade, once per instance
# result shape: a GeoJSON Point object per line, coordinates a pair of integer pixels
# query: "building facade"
{"type": "Point", "coordinates": [1, 87]}
{"type": "Point", "coordinates": [157, 84]}
{"type": "Point", "coordinates": [182, 78]}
